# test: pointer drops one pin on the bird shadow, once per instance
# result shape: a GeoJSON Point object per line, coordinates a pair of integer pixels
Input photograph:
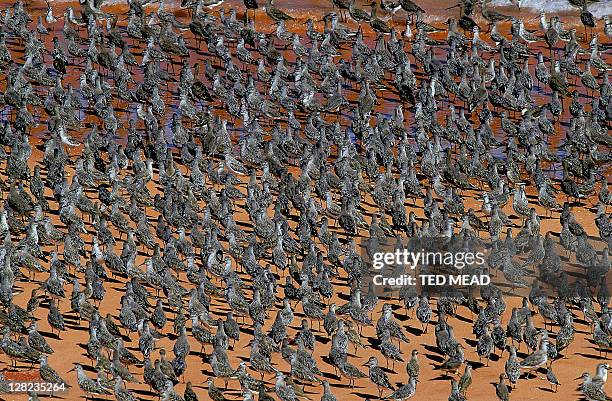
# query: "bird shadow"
{"type": "Point", "coordinates": [387, 370]}
{"type": "Point", "coordinates": [581, 321]}
{"type": "Point", "coordinates": [402, 317]}
{"type": "Point", "coordinates": [431, 348]}
{"type": "Point", "coordinates": [331, 376]}
{"type": "Point", "coordinates": [205, 357]}
{"type": "Point", "coordinates": [248, 331]}
{"type": "Point", "coordinates": [476, 364]}
{"type": "Point", "coordinates": [50, 335]}
{"type": "Point", "coordinates": [322, 339]}
{"type": "Point", "coordinates": [442, 377]}
{"type": "Point", "coordinates": [417, 331]}
{"type": "Point", "coordinates": [364, 396]}
{"type": "Point", "coordinates": [54, 396]}
{"type": "Point", "coordinates": [344, 296]}
{"type": "Point", "coordinates": [327, 360]}
{"type": "Point", "coordinates": [533, 374]}
{"type": "Point", "coordinates": [147, 393]}
{"type": "Point", "coordinates": [589, 356]}
{"type": "Point", "coordinates": [463, 318]}
{"type": "Point", "coordinates": [89, 368]}
{"type": "Point", "coordinates": [435, 358]}
{"type": "Point", "coordinates": [76, 327]}
{"type": "Point", "coordinates": [346, 386]}
{"type": "Point", "coordinates": [547, 389]}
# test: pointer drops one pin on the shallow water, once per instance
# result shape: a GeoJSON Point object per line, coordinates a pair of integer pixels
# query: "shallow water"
{"type": "Point", "coordinates": [435, 10]}
{"type": "Point", "coordinates": [604, 7]}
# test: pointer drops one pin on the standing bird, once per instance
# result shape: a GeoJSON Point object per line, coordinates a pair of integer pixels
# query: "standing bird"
{"type": "Point", "coordinates": [48, 374]}
{"type": "Point", "coordinates": [587, 20]}
{"type": "Point", "coordinates": [537, 358]}
{"type": "Point", "coordinates": [357, 14]}
{"type": "Point", "coordinates": [275, 13]}
{"type": "Point", "coordinates": [55, 318]}
{"type": "Point", "coordinates": [552, 379]}
{"type": "Point", "coordinates": [410, 7]}
{"type": "Point", "coordinates": [466, 379]}
{"type": "Point", "coordinates": [591, 390]}
{"type": "Point", "coordinates": [377, 375]}
{"type": "Point", "coordinates": [412, 367]}
{"type": "Point", "coordinates": [377, 24]}
{"type": "Point", "coordinates": [501, 390]}
{"type": "Point", "coordinates": [485, 345]}
{"type": "Point", "coordinates": [405, 392]}
{"type": "Point", "coordinates": [250, 5]}
{"type": "Point", "coordinates": [424, 313]}
{"type": "Point", "coordinates": [512, 367]}
{"type": "Point", "coordinates": [88, 385]}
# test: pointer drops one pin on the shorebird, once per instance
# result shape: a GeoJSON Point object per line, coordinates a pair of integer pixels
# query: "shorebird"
{"type": "Point", "coordinates": [37, 341]}
{"type": "Point", "coordinates": [343, 6]}
{"type": "Point", "coordinates": [454, 362]}
{"type": "Point", "coordinates": [378, 24]}
{"type": "Point", "coordinates": [552, 379]}
{"type": "Point", "coordinates": [377, 375]}
{"type": "Point", "coordinates": [391, 6]}
{"type": "Point", "coordinates": [466, 379]}
{"type": "Point", "coordinates": [350, 372]}
{"type": "Point", "coordinates": [587, 19]}
{"type": "Point", "coordinates": [591, 390]}
{"type": "Point", "coordinates": [88, 385]}
{"type": "Point", "coordinates": [501, 390]}
{"type": "Point", "coordinates": [49, 17]}
{"type": "Point", "coordinates": [357, 14]}
{"type": "Point", "coordinates": [601, 338]}
{"type": "Point", "coordinates": [404, 392]}
{"type": "Point", "coordinates": [412, 367]}
{"type": "Point", "coordinates": [424, 312]}
{"type": "Point", "coordinates": [410, 7]}
{"type": "Point", "coordinates": [275, 13]}
{"type": "Point", "coordinates": [55, 318]}
{"type": "Point", "coordinates": [48, 374]}
{"type": "Point", "coordinates": [250, 5]}
{"type": "Point", "coordinates": [537, 358]}
{"type": "Point", "coordinates": [491, 15]}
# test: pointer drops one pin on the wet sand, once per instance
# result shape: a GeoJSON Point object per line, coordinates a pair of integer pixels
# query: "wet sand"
{"type": "Point", "coordinates": [582, 355]}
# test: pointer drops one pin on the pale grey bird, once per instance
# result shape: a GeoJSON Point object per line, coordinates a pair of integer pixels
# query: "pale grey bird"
{"type": "Point", "coordinates": [404, 392]}
{"type": "Point", "coordinates": [377, 375]}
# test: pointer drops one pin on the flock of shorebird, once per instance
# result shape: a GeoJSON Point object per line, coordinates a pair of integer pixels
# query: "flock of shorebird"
{"type": "Point", "coordinates": [228, 197]}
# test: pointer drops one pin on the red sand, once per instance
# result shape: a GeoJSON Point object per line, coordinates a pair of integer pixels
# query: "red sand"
{"type": "Point", "coordinates": [582, 355]}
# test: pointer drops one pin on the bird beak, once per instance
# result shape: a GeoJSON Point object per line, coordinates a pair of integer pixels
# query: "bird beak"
{"type": "Point", "coordinates": [71, 370]}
